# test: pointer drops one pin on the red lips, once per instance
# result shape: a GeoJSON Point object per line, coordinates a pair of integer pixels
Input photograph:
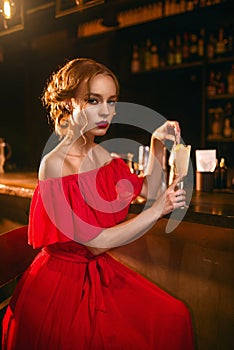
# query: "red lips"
{"type": "Point", "coordinates": [102, 124]}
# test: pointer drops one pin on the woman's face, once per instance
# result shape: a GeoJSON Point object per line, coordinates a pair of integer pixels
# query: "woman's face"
{"type": "Point", "coordinates": [100, 106]}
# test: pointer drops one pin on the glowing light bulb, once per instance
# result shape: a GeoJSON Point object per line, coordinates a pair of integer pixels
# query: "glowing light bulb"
{"type": "Point", "coordinates": [7, 9]}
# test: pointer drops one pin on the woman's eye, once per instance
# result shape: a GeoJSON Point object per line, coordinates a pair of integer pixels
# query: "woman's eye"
{"type": "Point", "coordinates": [92, 101]}
{"type": "Point", "coordinates": [112, 102]}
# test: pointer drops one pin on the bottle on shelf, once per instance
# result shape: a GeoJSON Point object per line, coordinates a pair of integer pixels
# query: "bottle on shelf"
{"type": "Point", "coordinates": [227, 129]}
{"type": "Point", "coordinates": [211, 87]}
{"type": "Point", "coordinates": [185, 48]}
{"type": "Point", "coordinates": [230, 115]}
{"type": "Point", "coordinates": [154, 57]}
{"type": "Point", "coordinates": [135, 62]}
{"type": "Point", "coordinates": [223, 173]}
{"type": "Point", "coordinates": [163, 55]}
{"type": "Point", "coordinates": [220, 84]}
{"type": "Point", "coordinates": [217, 125]}
{"type": "Point", "coordinates": [193, 46]}
{"type": "Point", "coordinates": [147, 58]}
{"type": "Point", "coordinates": [217, 175]}
{"type": "Point", "coordinates": [210, 48]}
{"type": "Point", "coordinates": [178, 51]}
{"type": "Point", "coordinates": [229, 44]}
{"type": "Point", "coordinates": [203, 3]}
{"type": "Point", "coordinates": [189, 5]}
{"type": "Point", "coordinates": [201, 44]}
{"type": "Point", "coordinates": [171, 53]}
{"type": "Point", "coordinates": [220, 47]}
{"type": "Point", "coordinates": [230, 81]}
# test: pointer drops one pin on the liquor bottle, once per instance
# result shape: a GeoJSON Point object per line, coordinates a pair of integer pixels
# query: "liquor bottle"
{"type": "Point", "coordinates": [227, 129]}
{"type": "Point", "coordinates": [171, 53]}
{"type": "Point", "coordinates": [230, 44]}
{"type": "Point", "coordinates": [189, 5]}
{"type": "Point", "coordinates": [178, 52]}
{"type": "Point", "coordinates": [220, 43]}
{"type": "Point", "coordinates": [203, 3]}
{"type": "Point", "coordinates": [185, 48]}
{"type": "Point", "coordinates": [193, 47]}
{"type": "Point", "coordinates": [211, 87]}
{"type": "Point", "coordinates": [220, 83]}
{"type": "Point", "coordinates": [230, 81]}
{"type": "Point", "coordinates": [154, 57]}
{"type": "Point", "coordinates": [210, 48]}
{"type": "Point", "coordinates": [223, 173]}
{"type": "Point", "coordinates": [217, 175]}
{"type": "Point", "coordinates": [230, 115]}
{"type": "Point", "coordinates": [201, 43]}
{"type": "Point", "coordinates": [135, 62]}
{"type": "Point", "coordinates": [163, 55]}
{"type": "Point", "coordinates": [217, 126]}
{"type": "Point", "coordinates": [147, 60]}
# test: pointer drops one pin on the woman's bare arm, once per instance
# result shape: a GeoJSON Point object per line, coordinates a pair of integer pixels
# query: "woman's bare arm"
{"type": "Point", "coordinates": [134, 228]}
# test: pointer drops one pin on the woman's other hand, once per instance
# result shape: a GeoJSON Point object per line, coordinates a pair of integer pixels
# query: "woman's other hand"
{"type": "Point", "coordinates": [170, 130]}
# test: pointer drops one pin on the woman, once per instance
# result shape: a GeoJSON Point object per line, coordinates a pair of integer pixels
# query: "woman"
{"type": "Point", "coordinates": [75, 295]}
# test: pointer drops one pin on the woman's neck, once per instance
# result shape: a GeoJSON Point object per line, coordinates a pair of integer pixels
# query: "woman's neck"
{"type": "Point", "coordinates": [79, 146]}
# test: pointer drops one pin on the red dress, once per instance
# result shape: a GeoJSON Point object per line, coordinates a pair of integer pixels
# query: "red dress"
{"type": "Point", "coordinates": [70, 299]}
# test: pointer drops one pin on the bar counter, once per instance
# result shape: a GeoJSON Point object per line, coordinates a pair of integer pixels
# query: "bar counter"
{"type": "Point", "coordinates": [195, 262]}
{"type": "Point", "coordinates": [214, 208]}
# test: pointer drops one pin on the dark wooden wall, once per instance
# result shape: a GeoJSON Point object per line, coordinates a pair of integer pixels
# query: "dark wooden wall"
{"type": "Point", "coordinates": [32, 54]}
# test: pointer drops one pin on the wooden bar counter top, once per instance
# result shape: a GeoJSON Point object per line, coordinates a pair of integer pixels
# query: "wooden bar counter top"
{"type": "Point", "coordinates": [211, 208]}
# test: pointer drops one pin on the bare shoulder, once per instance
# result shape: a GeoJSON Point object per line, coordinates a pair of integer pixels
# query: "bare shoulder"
{"type": "Point", "coordinates": [50, 166]}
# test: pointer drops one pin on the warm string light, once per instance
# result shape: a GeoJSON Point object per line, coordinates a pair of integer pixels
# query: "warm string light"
{"type": "Point", "coordinates": [7, 10]}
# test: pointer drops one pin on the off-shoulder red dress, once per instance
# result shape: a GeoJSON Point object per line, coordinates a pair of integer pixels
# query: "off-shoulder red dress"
{"type": "Point", "coordinates": [69, 299]}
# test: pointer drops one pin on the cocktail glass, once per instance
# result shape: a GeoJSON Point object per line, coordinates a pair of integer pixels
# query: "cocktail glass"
{"type": "Point", "coordinates": [181, 161]}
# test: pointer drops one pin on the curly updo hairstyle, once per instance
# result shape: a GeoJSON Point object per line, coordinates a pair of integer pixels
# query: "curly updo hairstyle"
{"type": "Point", "coordinates": [71, 81]}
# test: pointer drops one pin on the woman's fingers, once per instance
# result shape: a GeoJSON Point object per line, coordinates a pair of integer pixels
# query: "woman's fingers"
{"type": "Point", "coordinates": [170, 130]}
{"type": "Point", "coordinates": [175, 183]}
{"type": "Point", "coordinates": [176, 197]}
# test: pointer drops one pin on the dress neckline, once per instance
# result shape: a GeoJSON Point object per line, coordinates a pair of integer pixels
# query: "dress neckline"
{"type": "Point", "coordinates": [71, 176]}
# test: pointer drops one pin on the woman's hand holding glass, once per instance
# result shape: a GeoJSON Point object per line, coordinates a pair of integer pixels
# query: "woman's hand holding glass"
{"type": "Point", "coordinates": [173, 198]}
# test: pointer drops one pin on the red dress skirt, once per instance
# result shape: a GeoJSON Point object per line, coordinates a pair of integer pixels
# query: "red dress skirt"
{"type": "Point", "coordinates": [70, 299]}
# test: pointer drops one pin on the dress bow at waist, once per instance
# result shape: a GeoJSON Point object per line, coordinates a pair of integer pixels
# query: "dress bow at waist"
{"type": "Point", "coordinates": [97, 271]}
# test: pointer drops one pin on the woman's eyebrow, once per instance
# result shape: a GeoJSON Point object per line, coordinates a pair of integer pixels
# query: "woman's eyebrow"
{"type": "Point", "coordinates": [98, 95]}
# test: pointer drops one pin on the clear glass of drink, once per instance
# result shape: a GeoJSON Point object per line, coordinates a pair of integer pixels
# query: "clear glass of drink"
{"type": "Point", "coordinates": [181, 161]}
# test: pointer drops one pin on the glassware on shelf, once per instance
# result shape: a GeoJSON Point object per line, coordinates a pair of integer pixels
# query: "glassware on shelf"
{"type": "Point", "coordinates": [143, 156]}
